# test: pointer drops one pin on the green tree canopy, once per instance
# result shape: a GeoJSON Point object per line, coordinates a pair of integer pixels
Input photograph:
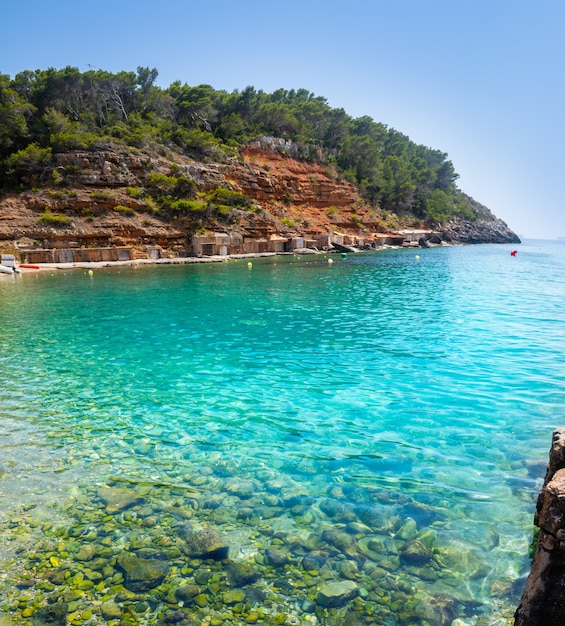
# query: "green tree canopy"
{"type": "Point", "coordinates": [49, 111]}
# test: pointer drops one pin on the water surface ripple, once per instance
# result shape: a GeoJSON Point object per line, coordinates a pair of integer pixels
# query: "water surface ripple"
{"type": "Point", "coordinates": [407, 393]}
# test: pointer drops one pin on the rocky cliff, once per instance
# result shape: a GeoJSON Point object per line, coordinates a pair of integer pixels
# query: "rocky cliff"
{"type": "Point", "coordinates": [87, 200]}
{"type": "Point", "coordinates": [543, 600]}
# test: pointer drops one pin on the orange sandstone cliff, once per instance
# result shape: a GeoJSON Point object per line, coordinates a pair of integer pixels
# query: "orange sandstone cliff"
{"type": "Point", "coordinates": [87, 201]}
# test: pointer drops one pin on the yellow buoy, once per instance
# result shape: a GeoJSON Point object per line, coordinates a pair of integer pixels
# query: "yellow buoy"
{"type": "Point", "coordinates": [417, 258]}
{"type": "Point", "coordinates": [90, 273]}
{"type": "Point", "coordinates": [330, 261]}
{"type": "Point", "coordinates": [249, 264]}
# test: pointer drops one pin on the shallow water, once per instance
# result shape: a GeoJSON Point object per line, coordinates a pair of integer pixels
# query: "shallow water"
{"type": "Point", "coordinates": [398, 400]}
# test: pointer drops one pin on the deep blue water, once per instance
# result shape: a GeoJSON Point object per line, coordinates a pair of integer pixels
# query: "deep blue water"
{"type": "Point", "coordinates": [392, 386]}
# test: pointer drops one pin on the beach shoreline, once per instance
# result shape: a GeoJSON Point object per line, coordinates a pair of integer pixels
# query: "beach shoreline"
{"type": "Point", "coordinates": [91, 265]}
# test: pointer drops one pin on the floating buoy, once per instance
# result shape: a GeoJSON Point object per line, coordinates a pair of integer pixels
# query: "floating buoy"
{"type": "Point", "coordinates": [249, 264]}
{"type": "Point", "coordinates": [514, 253]}
{"type": "Point", "coordinates": [90, 273]}
{"type": "Point", "coordinates": [344, 255]}
{"type": "Point", "coordinates": [330, 261]}
{"type": "Point", "coordinates": [417, 257]}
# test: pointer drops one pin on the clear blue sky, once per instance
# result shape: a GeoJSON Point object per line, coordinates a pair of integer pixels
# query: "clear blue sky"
{"type": "Point", "coordinates": [482, 80]}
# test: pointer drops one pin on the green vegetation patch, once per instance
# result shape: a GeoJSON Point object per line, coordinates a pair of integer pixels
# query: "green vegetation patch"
{"type": "Point", "coordinates": [48, 218]}
{"type": "Point", "coordinates": [45, 112]}
{"type": "Point", "coordinates": [135, 192]}
{"type": "Point", "coordinates": [124, 210]}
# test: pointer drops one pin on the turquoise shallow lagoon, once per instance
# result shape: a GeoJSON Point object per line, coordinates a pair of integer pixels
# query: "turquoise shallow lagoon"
{"type": "Point", "coordinates": [381, 424]}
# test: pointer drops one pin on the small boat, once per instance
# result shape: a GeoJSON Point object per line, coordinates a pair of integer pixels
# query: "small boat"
{"type": "Point", "coordinates": [30, 267]}
{"type": "Point", "coordinates": [8, 264]}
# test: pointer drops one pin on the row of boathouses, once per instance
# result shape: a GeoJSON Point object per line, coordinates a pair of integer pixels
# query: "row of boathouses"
{"type": "Point", "coordinates": [215, 244]}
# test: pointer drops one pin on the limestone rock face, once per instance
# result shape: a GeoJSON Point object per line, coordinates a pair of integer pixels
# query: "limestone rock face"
{"type": "Point", "coordinates": [482, 231]}
{"type": "Point", "coordinates": [543, 600]}
{"type": "Point", "coordinates": [290, 195]}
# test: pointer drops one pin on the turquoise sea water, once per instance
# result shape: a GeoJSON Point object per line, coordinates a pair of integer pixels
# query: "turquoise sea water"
{"type": "Point", "coordinates": [387, 416]}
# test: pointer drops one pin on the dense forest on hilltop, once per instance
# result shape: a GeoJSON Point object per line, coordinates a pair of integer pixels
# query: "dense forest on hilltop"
{"type": "Point", "coordinates": [44, 112]}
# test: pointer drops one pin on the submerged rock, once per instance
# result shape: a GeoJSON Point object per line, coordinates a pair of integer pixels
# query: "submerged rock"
{"type": "Point", "coordinates": [408, 531]}
{"type": "Point", "coordinates": [141, 574]}
{"type": "Point", "coordinates": [52, 615]}
{"type": "Point", "coordinates": [371, 547]}
{"type": "Point", "coordinates": [240, 487]}
{"type": "Point", "coordinates": [187, 593]}
{"type": "Point", "coordinates": [87, 552]}
{"type": "Point", "coordinates": [241, 574]}
{"type": "Point", "coordinates": [340, 540]}
{"type": "Point", "coordinates": [415, 553]}
{"type": "Point", "coordinates": [118, 499]}
{"type": "Point", "coordinates": [176, 617]}
{"type": "Point", "coordinates": [336, 510]}
{"type": "Point", "coordinates": [204, 543]}
{"type": "Point", "coordinates": [110, 610]}
{"type": "Point", "coordinates": [312, 562]}
{"type": "Point", "coordinates": [277, 558]}
{"type": "Point", "coordinates": [233, 596]}
{"type": "Point", "coordinates": [336, 594]}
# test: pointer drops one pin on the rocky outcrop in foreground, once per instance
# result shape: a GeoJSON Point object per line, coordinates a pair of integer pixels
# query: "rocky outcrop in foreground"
{"type": "Point", "coordinates": [543, 601]}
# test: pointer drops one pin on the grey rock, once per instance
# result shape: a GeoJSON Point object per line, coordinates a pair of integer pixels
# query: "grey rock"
{"type": "Point", "coordinates": [51, 615]}
{"type": "Point", "coordinates": [337, 594]}
{"type": "Point", "coordinates": [118, 499]}
{"type": "Point", "coordinates": [187, 593]}
{"type": "Point", "coordinates": [313, 562]}
{"type": "Point", "coordinates": [86, 552]}
{"type": "Point", "coordinates": [415, 553]}
{"type": "Point", "coordinates": [241, 574]}
{"type": "Point", "coordinates": [277, 558]}
{"type": "Point", "coordinates": [205, 543]}
{"type": "Point", "coordinates": [141, 574]}
{"type": "Point", "coordinates": [110, 610]}
{"type": "Point", "coordinates": [233, 596]}
{"type": "Point", "coordinates": [486, 229]}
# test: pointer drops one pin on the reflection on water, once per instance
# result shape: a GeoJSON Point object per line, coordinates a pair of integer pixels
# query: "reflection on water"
{"type": "Point", "coordinates": [297, 443]}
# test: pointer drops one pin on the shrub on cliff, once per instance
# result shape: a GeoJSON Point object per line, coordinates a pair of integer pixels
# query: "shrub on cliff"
{"type": "Point", "coordinates": [29, 165]}
{"type": "Point", "coordinates": [48, 218]}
